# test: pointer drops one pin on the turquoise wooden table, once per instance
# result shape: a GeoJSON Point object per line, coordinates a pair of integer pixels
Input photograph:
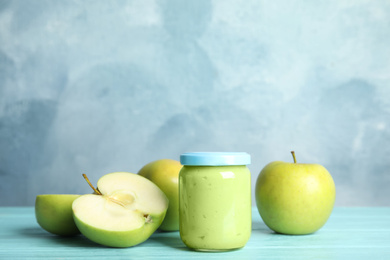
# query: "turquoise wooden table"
{"type": "Point", "coordinates": [350, 233]}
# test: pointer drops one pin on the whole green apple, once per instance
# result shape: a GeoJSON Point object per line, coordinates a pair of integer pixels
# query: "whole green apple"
{"type": "Point", "coordinates": [165, 174]}
{"type": "Point", "coordinates": [294, 198]}
{"type": "Point", "coordinates": [54, 213]}
{"type": "Point", "coordinates": [125, 210]}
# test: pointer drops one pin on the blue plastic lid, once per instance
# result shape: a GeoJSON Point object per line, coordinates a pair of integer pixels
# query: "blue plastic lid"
{"type": "Point", "coordinates": [215, 159]}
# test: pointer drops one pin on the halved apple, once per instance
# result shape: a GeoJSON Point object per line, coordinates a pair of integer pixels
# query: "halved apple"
{"type": "Point", "coordinates": [54, 213]}
{"type": "Point", "coordinates": [125, 211]}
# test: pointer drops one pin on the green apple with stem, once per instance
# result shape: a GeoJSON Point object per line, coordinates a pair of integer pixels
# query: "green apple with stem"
{"type": "Point", "coordinates": [165, 174]}
{"type": "Point", "coordinates": [53, 213]}
{"type": "Point", "coordinates": [294, 198]}
{"type": "Point", "coordinates": [125, 210]}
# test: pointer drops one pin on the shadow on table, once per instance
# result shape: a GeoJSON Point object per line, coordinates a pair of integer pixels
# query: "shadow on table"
{"type": "Point", "coordinates": [170, 239]}
{"type": "Point", "coordinates": [72, 241]}
{"type": "Point", "coordinates": [259, 226]}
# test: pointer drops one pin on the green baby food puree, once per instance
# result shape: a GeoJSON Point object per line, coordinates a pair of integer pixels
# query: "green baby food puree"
{"type": "Point", "coordinates": [215, 206]}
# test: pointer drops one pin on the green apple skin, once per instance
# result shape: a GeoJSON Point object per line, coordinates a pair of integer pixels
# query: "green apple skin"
{"type": "Point", "coordinates": [120, 238]}
{"type": "Point", "coordinates": [165, 174]}
{"type": "Point", "coordinates": [294, 198]}
{"type": "Point", "coordinates": [53, 213]}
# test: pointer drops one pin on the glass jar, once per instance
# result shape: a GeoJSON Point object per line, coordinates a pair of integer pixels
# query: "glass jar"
{"type": "Point", "coordinates": [215, 200]}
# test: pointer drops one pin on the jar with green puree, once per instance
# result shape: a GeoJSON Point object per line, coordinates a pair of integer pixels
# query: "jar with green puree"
{"type": "Point", "coordinates": [215, 200]}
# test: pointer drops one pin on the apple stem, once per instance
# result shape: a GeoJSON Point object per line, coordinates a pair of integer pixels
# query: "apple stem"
{"type": "Point", "coordinates": [90, 184]}
{"type": "Point", "coordinates": [293, 154]}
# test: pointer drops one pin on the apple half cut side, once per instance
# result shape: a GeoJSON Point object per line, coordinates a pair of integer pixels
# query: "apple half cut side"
{"type": "Point", "coordinates": [126, 210]}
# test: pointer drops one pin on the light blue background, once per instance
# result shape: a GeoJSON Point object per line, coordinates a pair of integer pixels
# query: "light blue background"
{"type": "Point", "coordinates": [100, 86]}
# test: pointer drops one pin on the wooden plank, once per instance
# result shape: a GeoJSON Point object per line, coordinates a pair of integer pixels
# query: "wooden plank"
{"type": "Point", "coordinates": [350, 233]}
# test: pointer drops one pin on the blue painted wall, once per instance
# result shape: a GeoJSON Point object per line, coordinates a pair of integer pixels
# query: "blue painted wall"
{"type": "Point", "coordinates": [95, 86]}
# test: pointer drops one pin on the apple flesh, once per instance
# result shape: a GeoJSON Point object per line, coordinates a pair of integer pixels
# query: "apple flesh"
{"type": "Point", "coordinates": [53, 213]}
{"type": "Point", "coordinates": [165, 174]}
{"type": "Point", "coordinates": [126, 210]}
{"type": "Point", "coordinates": [294, 198]}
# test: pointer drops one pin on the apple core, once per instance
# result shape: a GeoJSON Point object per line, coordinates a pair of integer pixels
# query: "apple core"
{"type": "Point", "coordinates": [124, 199]}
